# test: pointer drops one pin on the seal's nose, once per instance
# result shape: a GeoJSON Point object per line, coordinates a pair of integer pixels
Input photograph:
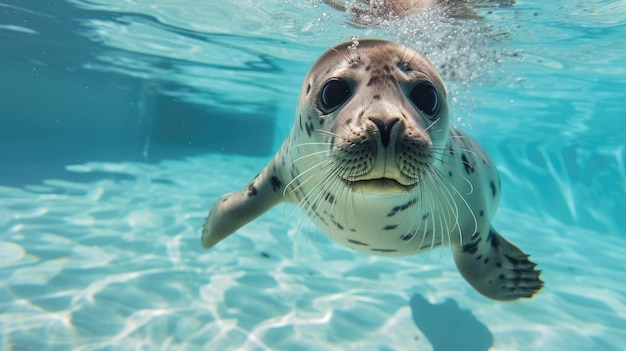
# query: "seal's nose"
{"type": "Point", "coordinates": [384, 128]}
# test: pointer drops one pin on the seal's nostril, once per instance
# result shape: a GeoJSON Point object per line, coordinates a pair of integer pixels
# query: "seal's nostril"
{"type": "Point", "coordinates": [384, 127]}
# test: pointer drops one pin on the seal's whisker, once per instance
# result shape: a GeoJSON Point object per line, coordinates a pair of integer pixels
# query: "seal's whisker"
{"type": "Point", "coordinates": [328, 132]}
{"type": "Point", "coordinates": [342, 215]}
{"type": "Point", "coordinates": [426, 205]}
{"type": "Point", "coordinates": [298, 228]}
{"type": "Point", "coordinates": [320, 188]}
{"type": "Point", "coordinates": [436, 181]}
{"type": "Point", "coordinates": [441, 158]}
{"type": "Point", "coordinates": [442, 186]}
{"type": "Point", "coordinates": [411, 231]}
{"type": "Point", "coordinates": [328, 179]}
{"type": "Point", "coordinates": [439, 229]}
{"type": "Point", "coordinates": [310, 202]}
{"type": "Point", "coordinates": [325, 143]}
{"type": "Point", "coordinates": [467, 205]}
{"type": "Point", "coordinates": [345, 192]}
{"type": "Point", "coordinates": [433, 220]}
{"type": "Point", "coordinates": [435, 131]}
{"type": "Point", "coordinates": [305, 181]}
{"type": "Point", "coordinates": [460, 173]}
{"type": "Point", "coordinates": [448, 220]}
{"type": "Point", "coordinates": [323, 163]}
{"type": "Point", "coordinates": [432, 124]}
{"type": "Point", "coordinates": [444, 150]}
{"type": "Point", "coordinates": [312, 154]}
{"type": "Point", "coordinates": [348, 173]}
{"type": "Point", "coordinates": [304, 204]}
{"type": "Point", "coordinates": [322, 196]}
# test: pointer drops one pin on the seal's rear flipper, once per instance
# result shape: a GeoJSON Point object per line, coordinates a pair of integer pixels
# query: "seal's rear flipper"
{"type": "Point", "coordinates": [232, 211]}
{"type": "Point", "coordinates": [497, 268]}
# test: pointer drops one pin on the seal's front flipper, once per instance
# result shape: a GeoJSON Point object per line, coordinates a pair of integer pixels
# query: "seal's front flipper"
{"type": "Point", "coordinates": [232, 211]}
{"type": "Point", "coordinates": [497, 268]}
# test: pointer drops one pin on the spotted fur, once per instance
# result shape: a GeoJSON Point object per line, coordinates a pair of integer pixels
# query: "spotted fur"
{"type": "Point", "coordinates": [381, 170]}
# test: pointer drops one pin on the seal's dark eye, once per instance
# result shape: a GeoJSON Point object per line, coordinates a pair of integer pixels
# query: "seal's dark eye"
{"type": "Point", "coordinates": [425, 98]}
{"type": "Point", "coordinates": [334, 93]}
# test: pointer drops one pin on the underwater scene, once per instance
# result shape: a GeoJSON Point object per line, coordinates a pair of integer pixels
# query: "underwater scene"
{"type": "Point", "coordinates": [124, 122]}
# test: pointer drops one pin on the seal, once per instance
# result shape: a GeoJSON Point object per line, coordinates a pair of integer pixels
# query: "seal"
{"type": "Point", "coordinates": [375, 12]}
{"type": "Point", "coordinates": [373, 161]}
{"type": "Point", "coordinates": [366, 11]}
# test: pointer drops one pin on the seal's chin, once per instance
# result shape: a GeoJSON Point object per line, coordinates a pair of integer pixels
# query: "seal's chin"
{"type": "Point", "coordinates": [379, 186]}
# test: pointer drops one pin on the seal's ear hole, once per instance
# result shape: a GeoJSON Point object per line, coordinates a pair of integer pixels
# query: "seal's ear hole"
{"type": "Point", "coordinates": [308, 89]}
{"type": "Point", "coordinates": [334, 93]}
{"type": "Point", "coordinates": [425, 98]}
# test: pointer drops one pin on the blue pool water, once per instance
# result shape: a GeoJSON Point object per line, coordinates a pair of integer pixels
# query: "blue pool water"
{"type": "Point", "coordinates": [121, 122]}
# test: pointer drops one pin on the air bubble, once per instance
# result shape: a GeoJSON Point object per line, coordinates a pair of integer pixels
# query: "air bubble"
{"type": "Point", "coordinates": [353, 50]}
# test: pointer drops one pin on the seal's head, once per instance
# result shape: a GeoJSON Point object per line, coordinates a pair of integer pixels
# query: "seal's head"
{"type": "Point", "coordinates": [383, 112]}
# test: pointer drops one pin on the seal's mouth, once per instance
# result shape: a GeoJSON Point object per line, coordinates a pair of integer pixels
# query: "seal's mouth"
{"type": "Point", "coordinates": [379, 186]}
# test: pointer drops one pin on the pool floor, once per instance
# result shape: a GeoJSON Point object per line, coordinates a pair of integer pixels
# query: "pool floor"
{"type": "Point", "coordinates": [116, 264]}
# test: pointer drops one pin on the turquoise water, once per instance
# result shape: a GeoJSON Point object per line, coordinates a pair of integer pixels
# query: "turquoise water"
{"type": "Point", "coordinates": [121, 122]}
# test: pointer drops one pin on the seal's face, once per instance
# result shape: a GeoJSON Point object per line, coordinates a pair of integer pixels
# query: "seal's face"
{"type": "Point", "coordinates": [383, 112]}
